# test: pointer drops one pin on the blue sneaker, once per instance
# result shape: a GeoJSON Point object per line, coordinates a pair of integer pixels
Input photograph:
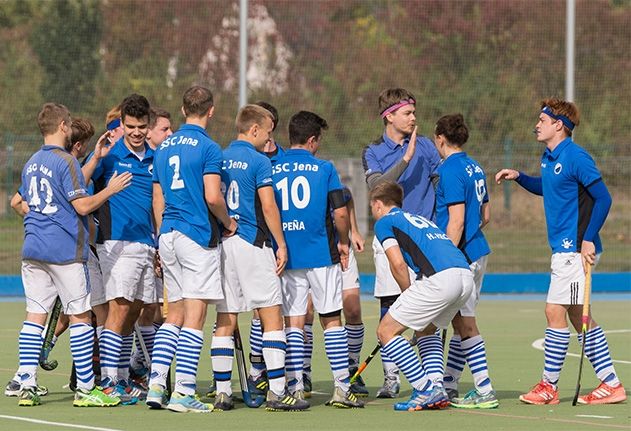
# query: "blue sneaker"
{"type": "Point", "coordinates": [434, 399]}
{"type": "Point", "coordinates": [157, 397]}
{"type": "Point", "coordinates": [188, 403]}
{"type": "Point", "coordinates": [116, 390]}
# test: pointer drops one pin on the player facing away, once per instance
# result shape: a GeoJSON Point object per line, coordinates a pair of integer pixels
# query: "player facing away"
{"type": "Point", "coordinates": [442, 286]}
{"type": "Point", "coordinates": [251, 270]}
{"type": "Point", "coordinates": [576, 203]}
{"type": "Point", "coordinates": [462, 210]}
{"type": "Point", "coordinates": [188, 206]}
{"type": "Point", "coordinates": [411, 163]}
{"type": "Point", "coordinates": [55, 253]}
{"type": "Point", "coordinates": [310, 196]}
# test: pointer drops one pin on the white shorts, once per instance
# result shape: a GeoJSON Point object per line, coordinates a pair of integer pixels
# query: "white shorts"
{"type": "Point", "coordinates": [567, 279]}
{"type": "Point", "coordinates": [127, 269]}
{"type": "Point", "coordinates": [478, 268]}
{"type": "Point", "coordinates": [350, 277]}
{"type": "Point", "coordinates": [324, 284]}
{"type": "Point", "coordinates": [250, 280]}
{"type": "Point", "coordinates": [385, 284]}
{"type": "Point", "coordinates": [190, 270]}
{"type": "Point", "coordinates": [159, 290]}
{"type": "Point", "coordinates": [434, 299]}
{"type": "Point", "coordinates": [97, 288]}
{"type": "Point", "coordinates": [43, 282]}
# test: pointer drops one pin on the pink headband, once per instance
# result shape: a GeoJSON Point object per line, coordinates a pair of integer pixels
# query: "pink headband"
{"type": "Point", "coordinates": [401, 104]}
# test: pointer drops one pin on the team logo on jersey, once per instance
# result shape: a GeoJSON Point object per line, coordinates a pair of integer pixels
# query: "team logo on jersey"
{"type": "Point", "coordinates": [543, 165]}
{"type": "Point", "coordinates": [567, 243]}
{"type": "Point", "coordinates": [558, 168]}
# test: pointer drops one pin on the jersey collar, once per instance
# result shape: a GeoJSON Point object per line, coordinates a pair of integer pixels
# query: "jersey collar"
{"type": "Point", "coordinates": [390, 143]}
{"type": "Point", "coordinates": [240, 143]}
{"type": "Point", "coordinates": [553, 155]}
{"type": "Point", "coordinates": [193, 127]}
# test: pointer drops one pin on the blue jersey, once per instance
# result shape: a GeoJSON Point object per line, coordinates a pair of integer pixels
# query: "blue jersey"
{"type": "Point", "coordinates": [53, 231]}
{"type": "Point", "coordinates": [276, 154]}
{"type": "Point", "coordinates": [245, 170]}
{"type": "Point", "coordinates": [462, 181]}
{"type": "Point", "coordinates": [307, 189]}
{"type": "Point", "coordinates": [126, 216]}
{"type": "Point", "coordinates": [425, 248]}
{"type": "Point", "coordinates": [416, 180]}
{"type": "Point", "coordinates": [566, 173]}
{"type": "Point", "coordinates": [181, 162]}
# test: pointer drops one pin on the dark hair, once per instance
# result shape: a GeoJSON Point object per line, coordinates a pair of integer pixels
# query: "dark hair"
{"type": "Point", "coordinates": [388, 192]}
{"type": "Point", "coordinates": [82, 130]}
{"type": "Point", "coordinates": [136, 106]}
{"type": "Point", "coordinates": [155, 113]}
{"type": "Point", "coordinates": [304, 125]}
{"type": "Point", "coordinates": [50, 117]}
{"type": "Point", "coordinates": [271, 109]}
{"type": "Point", "coordinates": [453, 128]}
{"type": "Point", "coordinates": [197, 100]}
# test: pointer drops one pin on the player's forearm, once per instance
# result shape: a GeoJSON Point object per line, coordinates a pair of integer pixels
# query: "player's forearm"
{"type": "Point", "coordinates": [401, 275]}
{"type": "Point", "coordinates": [89, 204]}
{"type": "Point", "coordinates": [352, 217]}
{"type": "Point", "coordinates": [454, 231]}
{"type": "Point", "coordinates": [18, 205]}
{"type": "Point", "coordinates": [602, 203]}
{"type": "Point", "coordinates": [88, 168]}
{"type": "Point", "coordinates": [532, 184]}
{"type": "Point", "coordinates": [342, 224]}
{"type": "Point", "coordinates": [219, 210]}
{"type": "Point", "coordinates": [392, 174]}
{"type": "Point", "coordinates": [485, 213]}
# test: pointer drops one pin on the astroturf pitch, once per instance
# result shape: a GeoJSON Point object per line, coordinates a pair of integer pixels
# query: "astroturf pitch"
{"type": "Point", "coordinates": [509, 328]}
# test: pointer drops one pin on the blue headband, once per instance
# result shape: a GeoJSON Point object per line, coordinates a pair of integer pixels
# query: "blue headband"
{"type": "Point", "coordinates": [115, 123]}
{"type": "Point", "coordinates": [566, 121]}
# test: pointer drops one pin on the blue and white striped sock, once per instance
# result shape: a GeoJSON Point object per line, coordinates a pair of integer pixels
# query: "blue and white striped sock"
{"type": "Point", "coordinates": [403, 355]}
{"type": "Point", "coordinates": [390, 369]}
{"type": "Point", "coordinates": [355, 343]}
{"type": "Point", "coordinates": [336, 347]}
{"type": "Point", "coordinates": [164, 347]}
{"type": "Point", "coordinates": [475, 352]}
{"type": "Point", "coordinates": [308, 351]}
{"type": "Point", "coordinates": [294, 358]}
{"type": "Point", "coordinates": [221, 354]}
{"type": "Point", "coordinates": [256, 349]}
{"type": "Point", "coordinates": [125, 357]}
{"type": "Point", "coordinates": [455, 363]}
{"type": "Point", "coordinates": [110, 345]}
{"type": "Point", "coordinates": [431, 349]}
{"type": "Point", "coordinates": [274, 350]}
{"type": "Point", "coordinates": [82, 347]}
{"type": "Point", "coordinates": [189, 347]}
{"type": "Point", "coordinates": [148, 335]}
{"type": "Point", "coordinates": [555, 347]}
{"type": "Point", "coordinates": [29, 345]}
{"type": "Point", "coordinates": [597, 351]}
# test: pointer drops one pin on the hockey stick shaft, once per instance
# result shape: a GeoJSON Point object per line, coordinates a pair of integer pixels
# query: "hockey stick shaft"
{"type": "Point", "coordinates": [48, 338]}
{"type": "Point", "coordinates": [585, 319]}
{"type": "Point", "coordinates": [364, 364]}
{"type": "Point", "coordinates": [143, 345]}
{"type": "Point", "coordinates": [243, 374]}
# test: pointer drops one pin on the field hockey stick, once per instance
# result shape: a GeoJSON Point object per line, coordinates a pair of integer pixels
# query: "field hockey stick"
{"type": "Point", "coordinates": [44, 362]}
{"type": "Point", "coordinates": [585, 320]}
{"type": "Point", "coordinates": [243, 376]}
{"type": "Point", "coordinates": [143, 345]}
{"type": "Point", "coordinates": [364, 364]}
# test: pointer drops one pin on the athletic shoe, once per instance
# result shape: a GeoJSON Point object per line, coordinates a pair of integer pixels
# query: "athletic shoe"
{"type": "Point", "coordinates": [94, 398]}
{"type": "Point", "coordinates": [433, 399]}
{"type": "Point", "coordinates": [187, 403]}
{"type": "Point", "coordinates": [157, 397]}
{"type": "Point", "coordinates": [116, 390]}
{"type": "Point", "coordinates": [135, 390]}
{"type": "Point", "coordinates": [212, 390]}
{"type": "Point", "coordinates": [604, 394]}
{"type": "Point", "coordinates": [390, 388]}
{"type": "Point", "coordinates": [344, 400]}
{"type": "Point", "coordinates": [258, 386]}
{"type": "Point", "coordinates": [306, 384]}
{"type": "Point", "coordinates": [299, 394]}
{"type": "Point", "coordinates": [452, 393]}
{"type": "Point", "coordinates": [139, 378]}
{"type": "Point", "coordinates": [284, 403]}
{"type": "Point", "coordinates": [542, 393]}
{"type": "Point", "coordinates": [14, 388]}
{"type": "Point", "coordinates": [358, 387]}
{"type": "Point", "coordinates": [28, 397]}
{"type": "Point", "coordinates": [475, 400]}
{"type": "Point", "coordinates": [223, 402]}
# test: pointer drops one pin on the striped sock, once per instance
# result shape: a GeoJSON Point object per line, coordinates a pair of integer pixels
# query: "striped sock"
{"type": "Point", "coordinates": [274, 348]}
{"type": "Point", "coordinates": [597, 351]}
{"type": "Point", "coordinates": [390, 369]}
{"type": "Point", "coordinates": [189, 347]}
{"type": "Point", "coordinates": [336, 347]}
{"type": "Point", "coordinates": [221, 354]}
{"type": "Point", "coordinates": [82, 347]}
{"type": "Point", "coordinates": [148, 335]}
{"type": "Point", "coordinates": [29, 345]}
{"type": "Point", "coordinates": [455, 363]}
{"type": "Point", "coordinates": [308, 351]}
{"type": "Point", "coordinates": [431, 349]}
{"type": "Point", "coordinates": [555, 349]}
{"type": "Point", "coordinates": [355, 343]}
{"type": "Point", "coordinates": [164, 347]}
{"type": "Point", "coordinates": [110, 345]}
{"type": "Point", "coordinates": [257, 364]}
{"type": "Point", "coordinates": [294, 358]}
{"type": "Point", "coordinates": [125, 357]}
{"type": "Point", "coordinates": [475, 352]}
{"type": "Point", "coordinates": [404, 356]}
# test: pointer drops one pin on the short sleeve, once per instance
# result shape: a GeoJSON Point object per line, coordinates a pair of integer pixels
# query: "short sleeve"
{"type": "Point", "coordinates": [453, 186]}
{"type": "Point", "coordinates": [213, 159]}
{"type": "Point", "coordinates": [72, 181]}
{"type": "Point", "coordinates": [263, 175]}
{"type": "Point", "coordinates": [334, 182]}
{"type": "Point", "coordinates": [371, 162]}
{"type": "Point", "coordinates": [383, 230]}
{"type": "Point", "coordinates": [433, 158]}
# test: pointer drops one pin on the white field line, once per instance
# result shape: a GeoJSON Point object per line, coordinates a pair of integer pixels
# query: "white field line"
{"type": "Point", "coordinates": [538, 344]}
{"type": "Point", "coordinates": [56, 424]}
{"type": "Point", "coordinates": [594, 416]}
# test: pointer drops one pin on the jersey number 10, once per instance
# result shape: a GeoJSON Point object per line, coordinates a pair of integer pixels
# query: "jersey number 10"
{"type": "Point", "coordinates": [299, 186]}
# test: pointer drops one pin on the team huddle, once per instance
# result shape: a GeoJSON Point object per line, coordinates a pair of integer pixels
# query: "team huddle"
{"type": "Point", "coordinates": [154, 226]}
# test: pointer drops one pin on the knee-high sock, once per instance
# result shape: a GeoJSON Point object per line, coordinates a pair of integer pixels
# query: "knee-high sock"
{"type": "Point", "coordinates": [555, 349]}
{"type": "Point", "coordinates": [431, 349]}
{"type": "Point", "coordinates": [455, 363]}
{"type": "Point", "coordinates": [221, 353]}
{"type": "Point", "coordinates": [408, 362]}
{"type": "Point", "coordinates": [189, 347]}
{"type": "Point", "coordinates": [274, 348]}
{"type": "Point", "coordinates": [256, 349]}
{"type": "Point", "coordinates": [148, 335]}
{"type": "Point", "coordinates": [294, 358]}
{"type": "Point", "coordinates": [164, 347]}
{"type": "Point", "coordinates": [475, 352]}
{"type": "Point", "coordinates": [110, 345]}
{"type": "Point", "coordinates": [597, 351]}
{"type": "Point", "coordinates": [336, 347]}
{"type": "Point", "coordinates": [82, 347]}
{"type": "Point", "coordinates": [125, 357]}
{"type": "Point", "coordinates": [355, 343]}
{"type": "Point", "coordinates": [308, 351]}
{"type": "Point", "coordinates": [29, 345]}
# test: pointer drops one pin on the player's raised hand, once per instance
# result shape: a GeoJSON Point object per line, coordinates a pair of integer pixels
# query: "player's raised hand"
{"type": "Point", "coordinates": [357, 241]}
{"type": "Point", "coordinates": [104, 145]}
{"type": "Point", "coordinates": [281, 259]}
{"type": "Point", "coordinates": [343, 249]}
{"type": "Point", "coordinates": [231, 229]}
{"type": "Point", "coordinates": [409, 152]}
{"type": "Point", "coordinates": [119, 182]}
{"type": "Point", "coordinates": [506, 174]}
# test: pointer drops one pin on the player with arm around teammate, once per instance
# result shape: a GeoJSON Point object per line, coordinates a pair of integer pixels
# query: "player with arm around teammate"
{"type": "Point", "coordinates": [444, 282]}
{"type": "Point", "coordinates": [576, 203]}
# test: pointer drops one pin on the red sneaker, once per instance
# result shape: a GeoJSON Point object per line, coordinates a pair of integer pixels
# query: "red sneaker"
{"type": "Point", "coordinates": [542, 393]}
{"type": "Point", "coordinates": [604, 394]}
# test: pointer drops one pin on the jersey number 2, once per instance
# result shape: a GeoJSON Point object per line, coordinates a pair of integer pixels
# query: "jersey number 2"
{"type": "Point", "coordinates": [176, 183]}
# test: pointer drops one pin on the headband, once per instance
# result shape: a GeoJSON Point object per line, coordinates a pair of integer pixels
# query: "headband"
{"type": "Point", "coordinates": [566, 121]}
{"type": "Point", "coordinates": [115, 123]}
{"type": "Point", "coordinates": [396, 106]}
